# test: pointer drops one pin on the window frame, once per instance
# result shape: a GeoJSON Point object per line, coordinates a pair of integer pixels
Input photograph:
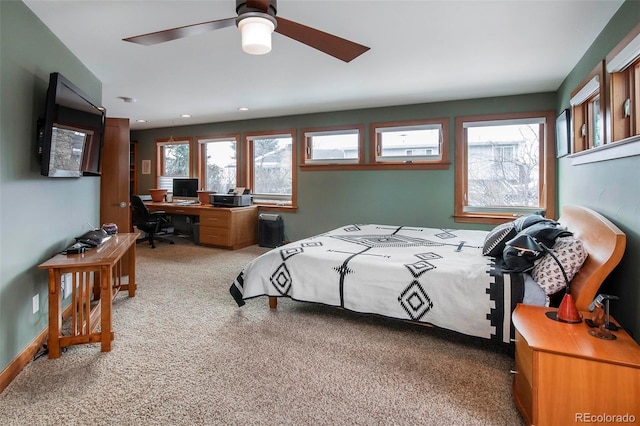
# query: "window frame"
{"type": "Point", "coordinates": [249, 175]}
{"type": "Point", "coordinates": [443, 163]}
{"type": "Point", "coordinates": [160, 164]}
{"type": "Point", "coordinates": [201, 163]}
{"type": "Point", "coordinates": [624, 86]}
{"type": "Point", "coordinates": [330, 164]}
{"type": "Point", "coordinates": [582, 111]}
{"type": "Point", "coordinates": [547, 179]}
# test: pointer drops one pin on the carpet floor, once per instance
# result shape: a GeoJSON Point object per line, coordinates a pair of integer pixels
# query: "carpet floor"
{"type": "Point", "coordinates": [185, 354]}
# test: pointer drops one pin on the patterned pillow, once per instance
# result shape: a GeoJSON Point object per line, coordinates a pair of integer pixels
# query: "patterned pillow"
{"type": "Point", "coordinates": [571, 254]}
{"type": "Point", "coordinates": [496, 239]}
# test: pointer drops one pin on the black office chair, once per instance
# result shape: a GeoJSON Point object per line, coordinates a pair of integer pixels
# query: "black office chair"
{"type": "Point", "coordinates": [151, 223]}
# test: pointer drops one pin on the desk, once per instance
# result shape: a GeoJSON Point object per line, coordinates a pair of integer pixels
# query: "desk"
{"type": "Point", "coordinates": [98, 271]}
{"type": "Point", "coordinates": [225, 227]}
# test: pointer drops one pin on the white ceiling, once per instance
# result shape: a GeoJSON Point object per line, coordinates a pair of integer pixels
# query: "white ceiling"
{"type": "Point", "coordinates": [421, 51]}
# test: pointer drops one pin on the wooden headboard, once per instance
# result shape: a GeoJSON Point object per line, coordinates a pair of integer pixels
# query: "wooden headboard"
{"type": "Point", "coordinates": [604, 242]}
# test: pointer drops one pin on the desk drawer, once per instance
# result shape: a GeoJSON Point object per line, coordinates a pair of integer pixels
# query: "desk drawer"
{"type": "Point", "coordinates": [214, 236]}
{"type": "Point", "coordinates": [215, 219]}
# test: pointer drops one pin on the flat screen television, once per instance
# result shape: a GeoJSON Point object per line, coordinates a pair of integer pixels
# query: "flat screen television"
{"type": "Point", "coordinates": [185, 188]}
{"type": "Point", "coordinates": [71, 133]}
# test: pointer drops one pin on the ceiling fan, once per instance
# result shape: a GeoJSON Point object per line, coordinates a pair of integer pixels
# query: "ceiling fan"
{"type": "Point", "coordinates": [257, 20]}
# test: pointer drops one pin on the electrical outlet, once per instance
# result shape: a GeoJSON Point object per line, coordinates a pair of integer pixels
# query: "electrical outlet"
{"type": "Point", "coordinates": [36, 303]}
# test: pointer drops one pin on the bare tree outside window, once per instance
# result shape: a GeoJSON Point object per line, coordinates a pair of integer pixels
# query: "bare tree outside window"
{"type": "Point", "coordinates": [272, 166]}
{"type": "Point", "coordinates": [503, 165]}
{"type": "Point", "coordinates": [221, 166]}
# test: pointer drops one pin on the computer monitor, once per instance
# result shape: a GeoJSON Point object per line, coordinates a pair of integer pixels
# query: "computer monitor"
{"type": "Point", "coordinates": [185, 189]}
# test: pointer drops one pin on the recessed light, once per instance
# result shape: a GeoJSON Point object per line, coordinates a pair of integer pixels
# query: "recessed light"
{"type": "Point", "coordinates": [185, 115]}
{"type": "Point", "coordinates": [243, 109]}
{"type": "Point", "coordinates": [141, 121]}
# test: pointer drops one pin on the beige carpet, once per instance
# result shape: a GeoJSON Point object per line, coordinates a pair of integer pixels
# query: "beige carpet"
{"type": "Point", "coordinates": [185, 354]}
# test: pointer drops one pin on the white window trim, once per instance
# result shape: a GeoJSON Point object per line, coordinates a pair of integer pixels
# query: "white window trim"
{"type": "Point", "coordinates": [506, 122]}
{"type": "Point", "coordinates": [204, 141]}
{"type": "Point", "coordinates": [625, 57]}
{"type": "Point", "coordinates": [628, 147]}
{"type": "Point", "coordinates": [588, 90]}
{"type": "Point", "coordinates": [268, 136]}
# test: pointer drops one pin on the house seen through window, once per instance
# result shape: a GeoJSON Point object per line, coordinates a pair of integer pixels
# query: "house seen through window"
{"type": "Point", "coordinates": [501, 169]}
{"type": "Point", "coordinates": [334, 146]}
{"type": "Point", "coordinates": [409, 143]}
{"type": "Point", "coordinates": [271, 174]}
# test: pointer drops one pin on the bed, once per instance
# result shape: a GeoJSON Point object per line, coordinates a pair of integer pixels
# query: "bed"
{"type": "Point", "coordinates": [436, 277]}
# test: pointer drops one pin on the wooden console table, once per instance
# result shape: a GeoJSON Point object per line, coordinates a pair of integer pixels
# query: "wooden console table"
{"type": "Point", "coordinates": [98, 271]}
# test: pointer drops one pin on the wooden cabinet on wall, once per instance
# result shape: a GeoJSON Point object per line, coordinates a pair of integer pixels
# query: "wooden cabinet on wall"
{"type": "Point", "coordinates": [231, 228]}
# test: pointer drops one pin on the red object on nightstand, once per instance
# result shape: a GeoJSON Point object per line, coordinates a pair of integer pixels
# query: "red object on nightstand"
{"type": "Point", "coordinates": [567, 312]}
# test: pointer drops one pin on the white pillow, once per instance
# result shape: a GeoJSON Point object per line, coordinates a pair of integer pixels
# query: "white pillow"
{"type": "Point", "coordinates": [571, 254]}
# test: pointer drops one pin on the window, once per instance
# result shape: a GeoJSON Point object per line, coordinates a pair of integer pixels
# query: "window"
{"type": "Point", "coordinates": [503, 153]}
{"type": "Point", "coordinates": [421, 144]}
{"type": "Point", "coordinates": [218, 162]}
{"type": "Point", "coordinates": [588, 111]}
{"type": "Point", "coordinates": [504, 166]}
{"type": "Point", "coordinates": [174, 160]}
{"type": "Point", "coordinates": [333, 146]}
{"type": "Point", "coordinates": [623, 66]}
{"type": "Point", "coordinates": [272, 167]}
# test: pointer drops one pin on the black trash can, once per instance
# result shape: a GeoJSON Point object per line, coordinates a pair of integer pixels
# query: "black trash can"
{"type": "Point", "coordinates": [270, 230]}
{"type": "Point", "coordinates": [195, 232]}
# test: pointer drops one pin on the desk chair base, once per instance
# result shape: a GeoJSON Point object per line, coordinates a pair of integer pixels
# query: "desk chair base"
{"type": "Point", "coordinates": [153, 238]}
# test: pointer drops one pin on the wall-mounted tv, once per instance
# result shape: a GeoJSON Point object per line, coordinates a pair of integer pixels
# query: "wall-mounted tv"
{"type": "Point", "coordinates": [71, 132]}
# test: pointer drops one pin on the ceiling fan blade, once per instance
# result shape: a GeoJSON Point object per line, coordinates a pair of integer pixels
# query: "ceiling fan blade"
{"type": "Point", "coordinates": [335, 46]}
{"type": "Point", "coordinates": [180, 32]}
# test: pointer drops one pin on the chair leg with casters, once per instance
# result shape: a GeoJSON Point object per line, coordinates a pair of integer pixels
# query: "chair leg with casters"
{"type": "Point", "coordinates": [153, 236]}
{"type": "Point", "coordinates": [152, 239]}
{"type": "Point", "coordinates": [155, 225]}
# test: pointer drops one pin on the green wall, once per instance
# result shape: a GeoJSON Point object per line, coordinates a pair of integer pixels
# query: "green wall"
{"type": "Point", "coordinates": [328, 199]}
{"type": "Point", "coordinates": [38, 216]}
{"type": "Point", "coordinates": [610, 187]}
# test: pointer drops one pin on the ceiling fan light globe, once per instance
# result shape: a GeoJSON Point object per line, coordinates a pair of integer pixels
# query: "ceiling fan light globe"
{"type": "Point", "coordinates": [256, 35]}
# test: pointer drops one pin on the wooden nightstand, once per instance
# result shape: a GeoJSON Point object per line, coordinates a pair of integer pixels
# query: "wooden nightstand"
{"type": "Point", "coordinates": [566, 376]}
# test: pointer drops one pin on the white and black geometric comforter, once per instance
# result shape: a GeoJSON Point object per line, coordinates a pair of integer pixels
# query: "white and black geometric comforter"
{"type": "Point", "coordinates": [436, 276]}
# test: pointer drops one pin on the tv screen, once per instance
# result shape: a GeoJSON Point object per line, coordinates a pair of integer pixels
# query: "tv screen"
{"type": "Point", "coordinates": [184, 188]}
{"type": "Point", "coordinates": [71, 133]}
